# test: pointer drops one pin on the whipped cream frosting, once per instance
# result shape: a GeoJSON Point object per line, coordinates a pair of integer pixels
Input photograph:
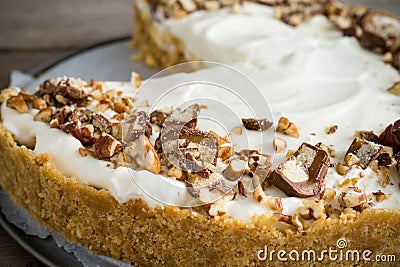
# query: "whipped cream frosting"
{"type": "Point", "coordinates": [309, 74]}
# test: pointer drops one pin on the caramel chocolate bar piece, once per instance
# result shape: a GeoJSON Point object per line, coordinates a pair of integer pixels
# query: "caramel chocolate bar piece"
{"type": "Point", "coordinates": [302, 174]}
{"type": "Point", "coordinates": [256, 125]}
{"type": "Point", "coordinates": [365, 151]}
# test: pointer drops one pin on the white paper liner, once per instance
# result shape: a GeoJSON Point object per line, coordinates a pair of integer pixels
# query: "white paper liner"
{"type": "Point", "coordinates": [20, 217]}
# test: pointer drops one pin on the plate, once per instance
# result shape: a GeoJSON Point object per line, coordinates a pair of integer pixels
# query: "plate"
{"type": "Point", "coordinates": [110, 60]}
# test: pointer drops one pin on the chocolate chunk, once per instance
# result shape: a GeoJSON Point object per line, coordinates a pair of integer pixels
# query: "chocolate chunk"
{"type": "Point", "coordinates": [256, 125]}
{"type": "Point", "coordinates": [369, 136]}
{"type": "Point", "coordinates": [391, 136]}
{"type": "Point", "coordinates": [303, 173]}
{"type": "Point", "coordinates": [187, 117]}
{"type": "Point", "coordinates": [365, 151]}
{"type": "Point", "coordinates": [384, 159]}
{"type": "Point", "coordinates": [372, 41]}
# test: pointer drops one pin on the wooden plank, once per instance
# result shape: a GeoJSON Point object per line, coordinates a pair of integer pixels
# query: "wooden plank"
{"type": "Point", "coordinates": [48, 24]}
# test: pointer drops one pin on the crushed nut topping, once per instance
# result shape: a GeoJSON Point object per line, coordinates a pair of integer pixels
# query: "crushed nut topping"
{"type": "Point", "coordinates": [287, 127]}
{"type": "Point", "coordinates": [106, 146]}
{"type": "Point", "coordinates": [63, 91]}
{"type": "Point", "coordinates": [332, 129]}
{"type": "Point", "coordinates": [18, 103]}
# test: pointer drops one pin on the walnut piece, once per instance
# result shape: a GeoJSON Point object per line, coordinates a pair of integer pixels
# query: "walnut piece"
{"type": "Point", "coordinates": [106, 146]}
{"type": "Point", "coordinates": [17, 103]}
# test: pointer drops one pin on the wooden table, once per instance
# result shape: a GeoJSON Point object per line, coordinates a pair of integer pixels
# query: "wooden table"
{"type": "Point", "coordinates": [32, 31]}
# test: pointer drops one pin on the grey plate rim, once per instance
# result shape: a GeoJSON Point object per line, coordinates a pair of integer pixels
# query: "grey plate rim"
{"type": "Point", "coordinates": [17, 234]}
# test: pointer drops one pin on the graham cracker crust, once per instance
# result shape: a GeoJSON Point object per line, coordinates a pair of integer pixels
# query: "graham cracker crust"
{"type": "Point", "coordinates": [172, 236]}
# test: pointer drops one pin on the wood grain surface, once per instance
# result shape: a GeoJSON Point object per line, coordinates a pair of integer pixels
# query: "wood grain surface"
{"type": "Point", "coordinates": [32, 31]}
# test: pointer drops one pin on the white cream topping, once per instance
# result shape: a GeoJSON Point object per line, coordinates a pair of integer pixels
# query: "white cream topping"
{"type": "Point", "coordinates": [309, 74]}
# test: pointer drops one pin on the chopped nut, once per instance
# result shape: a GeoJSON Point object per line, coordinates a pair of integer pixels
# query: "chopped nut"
{"type": "Point", "coordinates": [235, 169]}
{"type": "Point", "coordinates": [395, 89]}
{"type": "Point", "coordinates": [177, 173]}
{"type": "Point", "coordinates": [237, 130]}
{"type": "Point", "coordinates": [84, 134]}
{"type": "Point", "coordinates": [17, 103]}
{"type": "Point", "coordinates": [101, 122]}
{"type": "Point", "coordinates": [380, 196]}
{"type": "Point", "coordinates": [158, 117]}
{"type": "Point", "coordinates": [144, 154]}
{"type": "Point", "coordinates": [352, 197]}
{"type": "Point", "coordinates": [7, 93]}
{"type": "Point", "coordinates": [39, 103]}
{"type": "Point", "coordinates": [279, 144]}
{"type": "Point", "coordinates": [44, 115]}
{"type": "Point", "coordinates": [106, 146]}
{"type": "Point", "coordinates": [342, 169]}
{"type": "Point", "coordinates": [83, 152]}
{"type": "Point", "coordinates": [311, 208]}
{"type": "Point", "coordinates": [351, 160]}
{"type": "Point", "coordinates": [135, 79]}
{"type": "Point", "coordinates": [332, 129]}
{"type": "Point", "coordinates": [328, 194]}
{"type": "Point", "coordinates": [64, 90]}
{"type": "Point", "coordinates": [287, 127]}
{"type": "Point", "coordinates": [217, 209]}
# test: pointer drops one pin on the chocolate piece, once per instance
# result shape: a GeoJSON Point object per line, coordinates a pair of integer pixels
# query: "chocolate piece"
{"type": "Point", "coordinates": [303, 173]}
{"type": "Point", "coordinates": [187, 117]}
{"type": "Point", "coordinates": [368, 135]}
{"type": "Point", "coordinates": [256, 125]}
{"type": "Point", "coordinates": [384, 159]}
{"type": "Point", "coordinates": [372, 42]}
{"type": "Point", "coordinates": [391, 136]}
{"type": "Point", "coordinates": [364, 151]}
